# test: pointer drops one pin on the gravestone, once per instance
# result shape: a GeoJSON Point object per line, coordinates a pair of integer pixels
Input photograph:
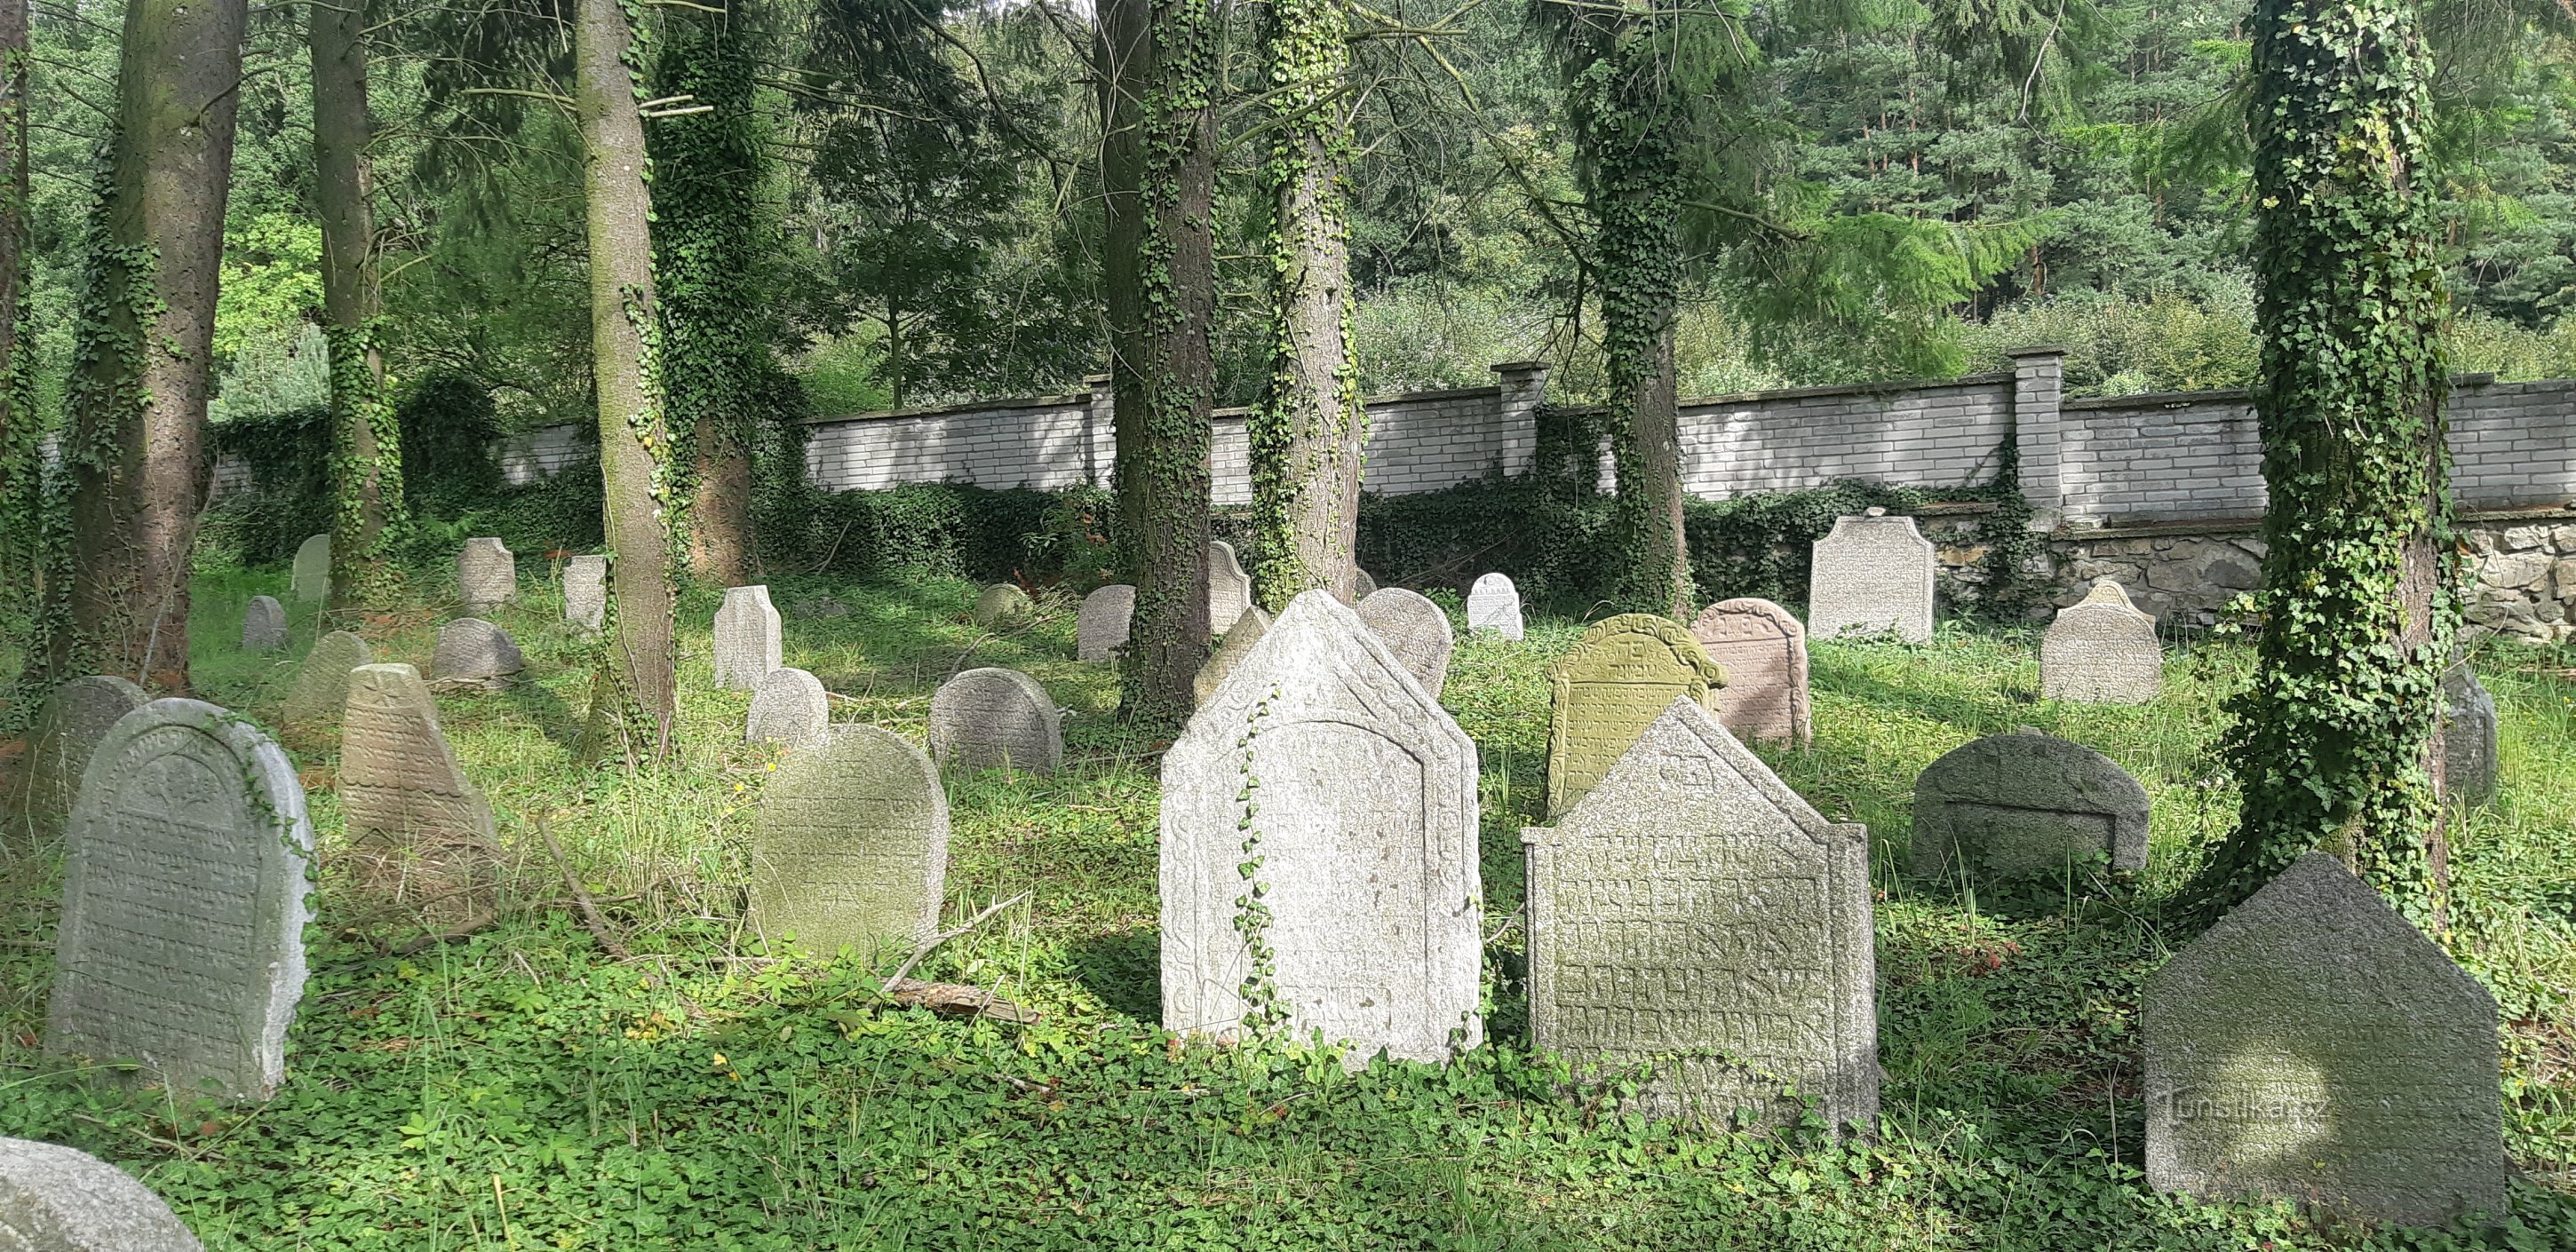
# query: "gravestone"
{"type": "Point", "coordinates": [421, 835]}
{"type": "Point", "coordinates": [487, 575]}
{"type": "Point", "coordinates": [1229, 588]}
{"type": "Point", "coordinates": [1001, 604]}
{"type": "Point", "coordinates": [2012, 815]}
{"type": "Point", "coordinates": [1694, 913]}
{"type": "Point", "coordinates": [1363, 584]}
{"type": "Point", "coordinates": [312, 577]}
{"type": "Point", "coordinates": [1618, 678]}
{"type": "Point", "coordinates": [820, 606]}
{"type": "Point", "coordinates": [995, 718]}
{"type": "Point", "coordinates": [748, 643]}
{"type": "Point", "coordinates": [1872, 575]}
{"type": "Point", "coordinates": [185, 897]}
{"type": "Point", "coordinates": [1100, 627]}
{"type": "Point", "coordinates": [1416, 630]}
{"type": "Point", "coordinates": [1764, 653]}
{"type": "Point", "coordinates": [851, 846]}
{"type": "Point", "coordinates": [1494, 604]}
{"type": "Point", "coordinates": [2468, 736]}
{"type": "Point", "coordinates": [474, 653]}
{"type": "Point", "coordinates": [1361, 849]}
{"type": "Point", "coordinates": [66, 732]}
{"type": "Point", "coordinates": [2101, 651]}
{"type": "Point", "coordinates": [263, 625]}
{"type": "Point", "coordinates": [321, 689]}
{"type": "Point", "coordinates": [789, 708]}
{"type": "Point", "coordinates": [2315, 1047]}
{"type": "Point", "coordinates": [1229, 653]}
{"type": "Point", "coordinates": [585, 591]}
{"type": "Point", "coordinates": [58, 1199]}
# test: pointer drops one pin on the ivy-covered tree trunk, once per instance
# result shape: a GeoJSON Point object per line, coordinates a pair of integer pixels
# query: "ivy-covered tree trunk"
{"type": "Point", "coordinates": [1309, 430]}
{"type": "Point", "coordinates": [1158, 63]}
{"type": "Point", "coordinates": [154, 253]}
{"type": "Point", "coordinates": [2332, 740]}
{"type": "Point", "coordinates": [23, 511]}
{"type": "Point", "coordinates": [366, 470]}
{"type": "Point", "coordinates": [636, 697]}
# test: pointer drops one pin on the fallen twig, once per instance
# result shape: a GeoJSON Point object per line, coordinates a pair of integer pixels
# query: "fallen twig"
{"type": "Point", "coordinates": [896, 979]}
{"type": "Point", "coordinates": [590, 918]}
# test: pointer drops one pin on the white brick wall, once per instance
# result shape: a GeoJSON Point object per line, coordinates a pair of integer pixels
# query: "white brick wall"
{"type": "Point", "coordinates": [1939, 436]}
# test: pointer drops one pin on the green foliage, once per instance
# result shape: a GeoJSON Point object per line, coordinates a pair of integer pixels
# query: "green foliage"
{"type": "Point", "coordinates": [290, 495]}
{"type": "Point", "coordinates": [448, 426]}
{"type": "Point", "coordinates": [842, 375]}
{"type": "Point", "coordinates": [366, 471]}
{"type": "Point", "coordinates": [945, 530]}
{"type": "Point", "coordinates": [2115, 346]}
{"type": "Point", "coordinates": [272, 278]}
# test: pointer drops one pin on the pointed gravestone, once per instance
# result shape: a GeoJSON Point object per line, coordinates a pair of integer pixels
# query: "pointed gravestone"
{"type": "Point", "coordinates": [474, 653]}
{"type": "Point", "coordinates": [321, 689]}
{"type": "Point", "coordinates": [748, 642]}
{"type": "Point", "coordinates": [1229, 588]}
{"type": "Point", "coordinates": [66, 732]}
{"type": "Point", "coordinates": [2314, 1047]}
{"type": "Point", "coordinates": [2468, 737]}
{"type": "Point", "coordinates": [1494, 604]}
{"type": "Point", "coordinates": [422, 836]}
{"type": "Point", "coordinates": [487, 575]}
{"type": "Point", "coordinates": [1002, 604]}
{"type": "Point", "coordinates": [2020, 818]}
{"type": "Point", "coordinates": [1617, 679]}
{"type": "Point", "coordinates": [851, 846]}
{"type": "Point", "coordinates": [1872, 575]}
{"type": "Point", "coordinates": [58, 1199]}
{"type": "Point", "coordinates": [995, 719]}
{"type": "Point", "coordinates": [1324, 791]}
{"type": "Point", "coordinates": [312, 577]}
{"type": "Point", "coordinates": [789, 708]}
{"type": "Point", "coordinates": [1764, 653]}
{"type": "Point", "coordinates": [1229, 653]}
{"type": "Point", "coordinates": [585, 591]}
{"type": "Point", "coordinates": [263, 625]}
{"type": "Point", "coordinates": [1100, 628]}
{"type": "Point", "coordinates": [2101, 651]}
{"type": "Point", "coordinates": [1693, 914]}
{"type": "Point", "coordinates": [1416, 630]}
{"type": "Point", "coordinates": [185, 897]}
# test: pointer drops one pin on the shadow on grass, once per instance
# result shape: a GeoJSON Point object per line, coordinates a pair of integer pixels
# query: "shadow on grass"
{"type": "Point", "coordinates": [1125, 971]}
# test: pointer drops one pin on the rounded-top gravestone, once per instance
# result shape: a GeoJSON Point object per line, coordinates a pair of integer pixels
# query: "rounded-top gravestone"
{"type": "Point", "coordinates": [312, 577]}
{"type": "Point", "coordinates": [1416, 630]}
{"type": "Point", "coordinates": [1229, 653]}
{"type": "Point", "coordinates": [1100, 627]}
{"type": "Point", "coordinates": [2018, 817]}
{"type": "Point", "coordinates": [1764, 653]}
{"type": "Point", "coordinates": [263, 625]}
{"type": "Point", "coordinates": [487, 575]}
{"type": "Point", "coordinates": [59, 746]}
{"type": "Point", "coordinates": [995, 718]}
{"type": "Point", "coordinates": [1494, 604]}
{"type": "Point", "coordinates": [474, 653]}
{"type": "Point", "coordinates": [585, 591]}
{"type": "Point", "coordinates": [789, 708]}
{"type": "Point", "coordinates": [1002, 604]}
{"type": "Point", "coordinates": [748, 640]}
{"type": "Point", "coordinates": [59, 1199]}
{"type": "Point", "coordinates": [1363, 584]}
{"type": "Point", "coordinates": [851, 846]}
{"type": "Point", "coordinates": [321, 687]}
{"type": "Point", "coordinates": [1616, 680]}
{"type": "Point", "coordinates": [1229, 588]}
{"type": "Point", "coordinates": [2101, 651]}
{"type": "Point", "coordinates": [1872, 575]}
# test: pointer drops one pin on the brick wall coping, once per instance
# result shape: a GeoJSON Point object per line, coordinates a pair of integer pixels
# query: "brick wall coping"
{"type": "Point", "coordinates": [1846, 389]}
{"type": "Point", "coordinates": [1012, 403]}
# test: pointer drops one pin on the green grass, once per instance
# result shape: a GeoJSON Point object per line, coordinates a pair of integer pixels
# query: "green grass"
{"type": "Point", "coordinates": [519, 1089]}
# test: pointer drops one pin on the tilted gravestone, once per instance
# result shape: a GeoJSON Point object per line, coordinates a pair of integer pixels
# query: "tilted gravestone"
{"type": "Point", "coordinates": [1616, 680]}
{"type": "Point", "coordinates": [1693, 913]}
{"type": "Point", "coordinates": [1100, 627]}
{"type": "Point", "coordinates": [487, 575]}
{"type": "Point", "coordinates": [585, 591]}
{"type": "Point", "coordinates": [1494, 604]}
{"type": "Point", "coordinates": [58, 1199]}
{"type": "Point", "coordinates": [1229, 588]}
{"type": "Point", "coordinates": [185, 897]}
{"type": "Point", "coordinates": [789, 708]}
{"type": "Point", "coordinates": [2020, 817]}
{"type": "Point", "coordinates": [2101, 651]}
{"type": "Point", "coordinates": [312, 577]}
{"type": "Point", "coordinates": [1002, 604]}
{"type": "Point", "coordinates": [1764, 653]}
{"type": "Point", "coordinates": [1324, 790]}
{"type": "Point", "coordinates": [421, 835]}
{"type": "Point", "coordinates": [995, 718]}
{"type": "Point", "coordinates": [1416, 630]}
{"type": "Point", "coordinates": [59, 746]}
{"type": "Point", "coordinates": [2315, 1047]}
{"type": "Point", "coordinates": [474, 653]}
{"type": "Point", "coordinates": [851, 846]}
{"type": "Point", "coordinates": [748, 639]}
{"type": "Point", "coordinates": [1872, 575]}
{"type": "Point", "coordinates": [321, 689]}
{"type": "Point", "coordinates": [263, 625]}
{"type": "Point", "coordinates": [1229, 653]}
{"type": "Point", "coordinates": [2468, 736]}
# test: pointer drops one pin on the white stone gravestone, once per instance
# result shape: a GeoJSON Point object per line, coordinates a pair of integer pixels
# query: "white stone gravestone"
{"type": "Point", "coordinates": [790, 708]}
{"type": "Point", "coordinates": [1416, 630]}
{"type": "Point", "coordinates": [1229, 588]}
{"type": "Point", "coordinates": [1100, 627]}
{"type": "Point", "coordinates": [263, 625]}
{"type": "Point", "coordinates": [487, 575]}
{"type": "Point", "coordinates": [1002, 604]}
{"type": "Point", "coordinates": [748, 638]}
{"type": "Point", "coordinates": [1494, 604]}
{"type": "Point", "coordinates": [1230, 651]}
{"type": "Point", "coordinates": [585, 591]}
{"type": "Point", "coordinates": [58, 1199]}
{"type": "Point", "coordinates": [995, 718]}
{"type": "Point", "coordinates": [312, 577]}
{"type": "Point", "coordinates": [1872, 575]}
{"type": "Point", "coordinates": [851, 846]}
{"type": "Point", "coordinates": [2101, 651]}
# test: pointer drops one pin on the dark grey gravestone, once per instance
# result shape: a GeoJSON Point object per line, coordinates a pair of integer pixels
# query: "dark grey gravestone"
{"type": "Point", "coordinates": [487, 575]}
{"type": "Point", "coordinates": [1494, 604]}
{"type": "Point", "coordinates": [1002, 604]}
{"type": "Point", "coordinates": [585, 591]}
{"type": "Point", "coordinates": [2468, 736]}
{"type": "Point", "coordinates": [748, 639]}
{"type": "Point", "coordinates": [312, 577]}
{"type": "Point", "coordinates": [789, 708]}
{"type": "Point", "coordinates": [1100, 628]}
{"type": "Point", "coordinates": [421, 835]}
{"type": "Point", "coordinates": [2013, 815]}
{"type": "Point", "coordinates": [995, 718]}
{"type": "Point", "coordinates": [263, 625]}
{"type": "Point", "coordinates": [851, 846]}
{"type": "Point", "coordinates": [58, 1199]}
{"type": "Point", "coordinates": [1363, 584]}
{"type": "Point", "coordinates": [321, 689]}
{"type": "Point", "coordinates": [185, 897]}
{"type": "Point", "coordinates": [2314, 1047]}
{"type": "Point", "coordinates": [474, 653]}
{"type": "Point", "coordinates": [1872, 575]}
{"type": "Point", "coordinates": [1416, 630]}
{"type": "Point", "coordinates": [66, 732]}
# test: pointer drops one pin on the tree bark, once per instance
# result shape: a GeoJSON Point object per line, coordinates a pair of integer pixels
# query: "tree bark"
{"type": "Point", "coordinates": [366, 441]}
{"type": "Point", "coordinates": [136, 452]}
{"type": "Point", "coordinates": [22, 501]}
{"type": "Point", "coordinates": [637, 672]}
{"type": "Point", "coordinates": [1655, 450]}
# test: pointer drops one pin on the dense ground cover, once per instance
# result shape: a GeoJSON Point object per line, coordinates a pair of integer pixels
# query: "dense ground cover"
{"type": "Point", "coordinates": [520, 1088]}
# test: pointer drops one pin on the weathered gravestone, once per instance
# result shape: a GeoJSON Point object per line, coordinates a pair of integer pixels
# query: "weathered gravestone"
{"type": "Point", "coordinates": [748, 640]}
{"type": "Point", "coordinates": [1416, 630]}
{"type": "Point", "coordinates": [1229, 588]}
{"type": "Point", "coordinates": [2014, 815]}
{"type": "Point", "coordinates": [185, 896]}
{"type": "Point", "coordinates": [2468, 736]}
{"type": "Point", "coordinates": [66, 732]}
{"type": "Point", "coordinates": [2101, 651]}
{"type": "Point", "coordinates": [1350, 795]}
{"type": "Point", "coordinates": [321, 689]}
{"type": "Point", "coordinates": [58, 1199]}
{"type": "Point", "coordinates": [421, 835]}
{"type": "Point", "coordinates": [1694, 913]}
{"type": "Point", "coordinates": [312, 577]}
{"type": "Point", "coordinates": [1229, 653]}
{"type": "Point", "coordinates": [789, 708]}
{"type": "Point", "coordinates": [2313, 1046]}
{"type": "Point", "coordinates": [1494, 604]}
{"type": "Point", "coordinates": [474, 653]}
{"type": "Point", "coordinates": [1872, 575]}
{"type": "Point", "coordinates": [487, 575]}
{"type": "Point", "coordinates": [995, 718]}
{"type": "Point", "coordinates": [851, 846]}
{"type": "Point", "coordinates": [1616, 681]}
{"type": "Point", "coordinates": [1001, 604]}
{"type": "Point", "coordinates": [585, 591]}
{"type": "Point", "coordinates": [1363, 584]}
{"type": "Point", "coordinates": [1100, 627]}
{"type": "Point", "coordinates": [263, 625]}
{"type": "Point", "coordinates": [1764, 653]}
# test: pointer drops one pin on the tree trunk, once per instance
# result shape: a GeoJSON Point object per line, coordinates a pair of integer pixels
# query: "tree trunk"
{"type": "Point", "coordinates": [1655, 450]}
{"type": "Point", "coordinates": [136, 451]}
{"type": "Point", "coordinates": [1158, 60]}
{"type": "Point", "coordinates": [366, 479]}
{"type": "Point", "coordinates": [636, 699]}
{"type": "Point", "coordinates": [1309, 431]}
{"type": "Point", "coordinates": [22, 494]}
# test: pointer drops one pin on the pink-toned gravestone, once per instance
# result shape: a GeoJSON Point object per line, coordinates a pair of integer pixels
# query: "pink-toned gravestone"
{"type": "Point", "coordinates": [1764, 653]}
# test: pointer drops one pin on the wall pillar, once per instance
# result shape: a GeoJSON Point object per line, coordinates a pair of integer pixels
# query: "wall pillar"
{"type": "Point", "coordinates": [2039, 391]}
{"type": "Point", "coordinates": [1520, 390]}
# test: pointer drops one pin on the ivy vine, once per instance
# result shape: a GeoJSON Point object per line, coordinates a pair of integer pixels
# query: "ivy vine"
{"type": "Point", "coordinates": [362, 412]}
